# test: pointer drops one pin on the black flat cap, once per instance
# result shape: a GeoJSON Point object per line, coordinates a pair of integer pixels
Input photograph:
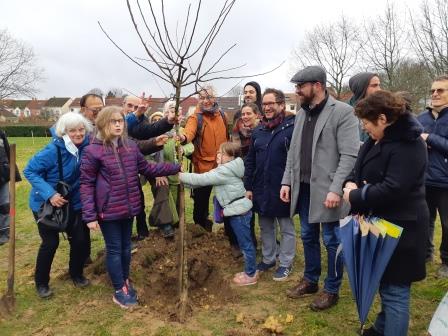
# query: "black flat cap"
{"type": "Point", "coordinates": [311, 73]}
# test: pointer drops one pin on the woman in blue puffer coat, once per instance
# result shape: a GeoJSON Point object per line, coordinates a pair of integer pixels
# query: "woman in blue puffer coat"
{"type": "Point", "coordinates": [69, 137]}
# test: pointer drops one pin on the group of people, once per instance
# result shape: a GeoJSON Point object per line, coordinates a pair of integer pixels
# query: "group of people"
{"type": "Point", "coordinates": [369, 157]}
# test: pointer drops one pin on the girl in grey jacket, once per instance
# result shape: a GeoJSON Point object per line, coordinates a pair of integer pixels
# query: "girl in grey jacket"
{"type": "Point", "coordinates": [230, 193]}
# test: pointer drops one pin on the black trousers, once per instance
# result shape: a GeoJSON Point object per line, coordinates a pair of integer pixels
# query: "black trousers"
{"type": "Point", "coordinates": [201, 197]}
{"type": "Point", "coordinates": [437, 199]}
{"type": "Point", "coordinates": [140, 219]}
{"type": "Point", "coordinates": [78, 236]}
{"type": "Point", "coordinates": [231, 235]}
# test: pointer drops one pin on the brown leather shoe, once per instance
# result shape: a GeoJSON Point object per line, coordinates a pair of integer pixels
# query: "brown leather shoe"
{"type": "Point", "coordinates": [324, 301]}
{"type": "Point", "coordinates": [304, 287]}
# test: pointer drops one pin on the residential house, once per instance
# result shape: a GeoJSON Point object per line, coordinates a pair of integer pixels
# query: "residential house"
{"type": "Point", "coordinates": [55, 107]}
{"type": "Point", "coordinates": [75, 105]}
{"type": "Point", "coordinates": [113, 101]}
{"type": "Point", "coordinates": [20, 109]}
{"type": "Point", "coordinates": [291, 103]}
{"type": "Point", "coordinates": [229, 105]}
{"type": "Point", "coordinates": [35, 107]}
{"type": "Point", "coordinates": [7, 116]}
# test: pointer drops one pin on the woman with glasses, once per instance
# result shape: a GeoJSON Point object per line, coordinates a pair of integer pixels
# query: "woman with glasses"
{"type": "Point", "coordinates": [207, 130]}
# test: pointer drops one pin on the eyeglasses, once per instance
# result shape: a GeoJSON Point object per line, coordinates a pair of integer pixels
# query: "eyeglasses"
{"type": "Point", "coordinates": [132, 106]}
{"type": "Point", "coordinates": [115, 121]}
{"type": "Point", "coordinates": [300, 86]}
{"type": "Point", "coordinates": [439, 91]}
{"type": "Point", "coordinates": [94, 110]}
{"type": "Point", "coordinates": [206, 97]}
{"type": "Point", "coordinates": [270, 104]}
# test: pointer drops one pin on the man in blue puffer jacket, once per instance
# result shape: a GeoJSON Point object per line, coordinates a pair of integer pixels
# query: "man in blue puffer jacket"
{"type": "Point", "coordinates": [435, 122]}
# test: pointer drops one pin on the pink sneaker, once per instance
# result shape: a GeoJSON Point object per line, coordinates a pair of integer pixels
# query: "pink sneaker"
{"type": "Point", "coordinates": [242, 279]}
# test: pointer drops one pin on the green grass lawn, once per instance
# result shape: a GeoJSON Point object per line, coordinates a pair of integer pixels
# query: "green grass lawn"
{"type": "Point", "coordinates": [91, 311]}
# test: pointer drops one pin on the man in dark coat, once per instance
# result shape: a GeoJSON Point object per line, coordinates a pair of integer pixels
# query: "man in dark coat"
{"type": "Point", "coordinates": [264, 166]}
{"type": "Point", "coordinates": [323, 151]}
{"type": "Point", "coordinates": [4, 187]}
{"type": "Point", "coordinates": [362, 85]}
{"type": "Point", "coordinates": [435, 123]}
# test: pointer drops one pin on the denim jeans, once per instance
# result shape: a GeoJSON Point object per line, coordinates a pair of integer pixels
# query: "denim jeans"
{"type": "Point", "coordinates": [241, 227]}
{"type": "Point", "coordinates": [311, 245]}
{"type": "Point", "coordinates": [117, 236]}
{"type": "Point", "coordinates": [393, 320]}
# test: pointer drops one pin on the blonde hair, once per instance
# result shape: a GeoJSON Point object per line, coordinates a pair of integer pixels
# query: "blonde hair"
{"type": "Point", "coordinates": [70, 120]}
{"type": "Point", "coordinates": [102, 122]}
{"type": "Point", "coordinates": [231, 149]}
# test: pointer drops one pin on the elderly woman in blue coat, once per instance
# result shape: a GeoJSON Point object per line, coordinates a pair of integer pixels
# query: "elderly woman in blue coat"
{"type": "Point", "coordinates": [70, 138]}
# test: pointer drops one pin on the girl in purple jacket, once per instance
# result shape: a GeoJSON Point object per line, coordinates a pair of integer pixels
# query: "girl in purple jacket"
{"type": "Point", "coordinates": [110, 194]}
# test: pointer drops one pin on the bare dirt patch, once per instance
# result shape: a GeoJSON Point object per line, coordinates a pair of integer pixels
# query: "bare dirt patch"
{"type": "Point", "coordinates": [154, 272]}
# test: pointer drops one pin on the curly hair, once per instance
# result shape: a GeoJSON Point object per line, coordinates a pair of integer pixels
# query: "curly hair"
{"type": "Point", "coordinates": [381, 102]}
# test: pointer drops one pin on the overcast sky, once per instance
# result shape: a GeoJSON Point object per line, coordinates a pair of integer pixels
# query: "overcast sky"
{"type": "Point", "coordinates": [77, 56]}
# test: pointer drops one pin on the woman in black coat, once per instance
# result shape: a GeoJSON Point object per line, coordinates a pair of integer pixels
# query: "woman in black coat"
{"type": "Point", "coordinates": [388, 182]}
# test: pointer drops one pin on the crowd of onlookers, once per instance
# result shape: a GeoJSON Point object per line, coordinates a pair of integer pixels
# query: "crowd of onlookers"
{"type": "Point", "coordinates": [371, 156]}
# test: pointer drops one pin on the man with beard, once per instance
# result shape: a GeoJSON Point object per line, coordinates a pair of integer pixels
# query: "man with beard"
{"type": "Point", "coordinates": [264, 166]}
{"type": "Point", "coordinates": [323, 151]}
{"type": "Point", "coordinates": [252, 94]}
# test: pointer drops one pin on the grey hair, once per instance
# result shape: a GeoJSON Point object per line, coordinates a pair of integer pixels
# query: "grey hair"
{"type": "Point", "coordinates": [210, 90]}
{"type": "Point", "coordinates": [70, 120]}
{"type": "Point", "coordinates": [168, 105]}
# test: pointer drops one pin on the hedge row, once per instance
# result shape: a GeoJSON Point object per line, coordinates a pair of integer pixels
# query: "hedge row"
{"type": "Point", "coordinates": [26, 131]}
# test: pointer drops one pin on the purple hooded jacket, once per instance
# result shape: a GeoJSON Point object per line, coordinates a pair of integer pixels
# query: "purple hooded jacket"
{"type": "Point", "coordinates": [110, 183]}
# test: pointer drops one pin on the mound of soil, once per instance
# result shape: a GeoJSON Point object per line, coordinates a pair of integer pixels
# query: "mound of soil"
{"type": "Point", "coordinates": [154, 271]}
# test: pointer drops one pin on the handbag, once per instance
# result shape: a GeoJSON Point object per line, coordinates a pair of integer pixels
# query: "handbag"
{"type": "Point", "coordinates": [218, 212]}
{"type": "Point", "coordinates": [52, 217]}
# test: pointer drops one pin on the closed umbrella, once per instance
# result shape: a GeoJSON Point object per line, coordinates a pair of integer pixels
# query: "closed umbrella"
{"type": "Point", "coordinates": [368, 245]}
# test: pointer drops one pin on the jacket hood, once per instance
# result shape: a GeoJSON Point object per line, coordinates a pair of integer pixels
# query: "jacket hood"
{"type": "Point", "coordinates": [234, 167]}
{"type": "Point", "coordinates": [358, 85]}
{"type": "Point", "coordinates": [406, 128]}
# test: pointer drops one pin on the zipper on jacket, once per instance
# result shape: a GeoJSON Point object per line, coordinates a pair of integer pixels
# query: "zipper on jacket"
{"type": "Point", "coordinates": [126, 177]}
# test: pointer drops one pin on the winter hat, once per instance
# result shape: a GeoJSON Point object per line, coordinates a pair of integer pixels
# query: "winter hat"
{"type": "Point", "coordinates": [311, 73]}
{"type": "Point", "coordinates": [154, 115]}
{"type": "Point", "coordinates": [257, 88]}
{"type": "Point", "coordinates": [358, 85]}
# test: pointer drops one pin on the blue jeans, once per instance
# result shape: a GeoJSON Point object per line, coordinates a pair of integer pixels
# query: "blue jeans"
{"type": "Point", "coordinates": [394, 316]}
{"type": "Point", "coordinates": [117, 235]}
{"type": "Point", "coordinates": [241, 227]}
{"type": "Point", "coordinates": [311, 245]}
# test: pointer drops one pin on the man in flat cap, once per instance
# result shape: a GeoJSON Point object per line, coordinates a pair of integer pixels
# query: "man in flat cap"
{"type": "Point", "coordinates": [323, 151]}
{"type": "Point", "coordinates": [362, 85]}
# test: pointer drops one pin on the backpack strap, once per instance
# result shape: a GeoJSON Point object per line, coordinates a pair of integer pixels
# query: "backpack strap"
{"type": "Point", "coordinates": [61, 175]}
{"type": "Point", "coordinates": [197, 141]}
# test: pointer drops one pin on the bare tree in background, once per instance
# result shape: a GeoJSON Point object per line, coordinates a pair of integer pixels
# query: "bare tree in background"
{"type": "Point", "coordinates": [384, 45]}
{"type": "Point", "coordinates": [19, 73]}
{"type": "Point", "coordinates": [96, 91]}
{"type": "Point", "coordinates": [413, 76]}
{"type": "Point", "coordinates": [333, 46]}
{"type": "Point", "coordinates": [180, 57]}
{"type": "Point", "coordinates": [236, 91]}
{"type": "Point", "coordinates": [115, 93]}
{"type": "Point", "coordinates": [430, 32]}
